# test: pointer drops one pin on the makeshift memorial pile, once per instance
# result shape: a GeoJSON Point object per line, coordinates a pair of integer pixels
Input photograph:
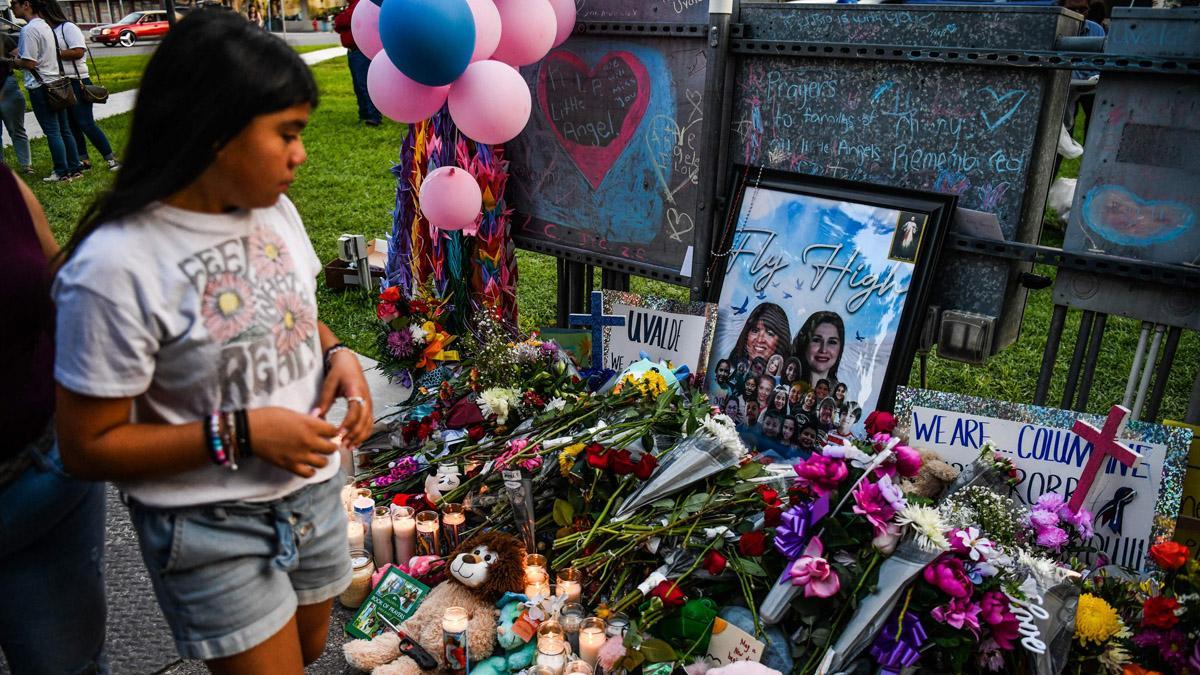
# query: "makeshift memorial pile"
{"type": "Point", "coordinates": [411, 337]}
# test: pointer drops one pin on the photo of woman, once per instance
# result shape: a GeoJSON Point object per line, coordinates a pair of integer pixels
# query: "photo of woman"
{"type": "Point", "coordinates": [791, 371]}
{"type": "Point", "coordinates": [764, 335]}
{"type": "Point", "coordinates": [779, 400]}
{"type": "Point", "coordinates": [819, 344]}
{"type": "Point", "coordinates": [839, 394]}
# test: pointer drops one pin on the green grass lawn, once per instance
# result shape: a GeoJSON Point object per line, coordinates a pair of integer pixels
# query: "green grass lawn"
{"type": "Point", "coordinates": [346, 187]}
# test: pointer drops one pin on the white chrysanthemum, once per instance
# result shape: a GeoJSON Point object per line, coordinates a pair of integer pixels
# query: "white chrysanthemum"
{"type": "Point", "coordinates": [723, 429]}
{"type": "Point", "coordinates": [927, 523]}
{"type": "Point", "coordinates": [497, 401]}
{"type": "Point", "coordinates": [418, 334]}
{"type": "Point", "coordinates": [1047, 571]}
{"type": "Point", "coordinates": [1115, 657]}
{"type": "Point", "coordinates": [556, 403]}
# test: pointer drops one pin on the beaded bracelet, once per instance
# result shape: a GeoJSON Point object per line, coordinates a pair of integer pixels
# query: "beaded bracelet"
{"type": "Point", "coordinates": [229, 438]}
{"type": "Point", "coordinates": [330, 352]}
{"type": "Point", "coordinates": [212, 440]}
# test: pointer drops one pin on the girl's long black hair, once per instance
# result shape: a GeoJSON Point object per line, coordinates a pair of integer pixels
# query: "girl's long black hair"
{"type": "Point", "coordinates": [51, 12]}
{"type": "Point", "coordinates": [213, 73]}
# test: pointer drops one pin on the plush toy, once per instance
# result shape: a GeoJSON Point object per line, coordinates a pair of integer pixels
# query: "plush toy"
{"type": "Point", "coordinates": [934, 476]}
{"type": "Point", "coordinates": [518, 653]}
{"type": "Point", "coordinates": [482, 569]}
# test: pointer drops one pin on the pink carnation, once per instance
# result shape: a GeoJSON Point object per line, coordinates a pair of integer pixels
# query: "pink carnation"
{"type": "Point", "coordinates": [1052, 537]}
{"type": "Point", "coordinates": [822, 473]}
{"type": "Point", "coordinates": [611, 651]}
{"type": "Point", "coordinates": [870, 503]}
{"type": "Point", "coordinates": [959, 613]}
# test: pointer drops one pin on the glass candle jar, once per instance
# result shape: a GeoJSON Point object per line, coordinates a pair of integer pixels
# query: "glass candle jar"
{"type": "Point", "coordinates": [618, 623]}
{"type": "Point", "coordinates": [578, 667]}
{"type": "Point", "coordinates": [404, 532]}
{"type": "Point", "coordinates": [453, 519]}
{"type": "Point", "coordinates": [571, 617]}
{"type": "Point", "coordinates": [570, 584]}
{"type": "Point", "coordinates": [592, 634]}
{"type": "Point", "coordinates": [381, 536]}
{"type": "Point", "coordinates": [454, 639]}
{"type": "Point", "coordinates": [537, 578]}
{"type": "Point", "coordinates": [360, 581]}
{"type": "Point", "coordinates": [427, 533]}
{"type": "Point", "coordinates": [552, 652]}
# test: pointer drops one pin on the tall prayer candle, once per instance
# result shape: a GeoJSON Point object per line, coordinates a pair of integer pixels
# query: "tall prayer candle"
{"type": "Point", "coordinates": [381, 536]}
{"type": "Point", "coordinates": [357, 534]}
{"type": "Point", "coordinates": [453, 518]}
{"type": "Point", "coordinates": [591, 637]}
{"type": "Point", "coordinates": [427, 533]}
{"type": "Point", "coordinates": [454, 639]}
{"type": "Point", "coordinates": [404, 532]}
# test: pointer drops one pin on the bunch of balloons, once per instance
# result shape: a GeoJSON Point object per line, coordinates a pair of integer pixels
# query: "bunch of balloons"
{"type": "Point", "coordinates": [462, 51]}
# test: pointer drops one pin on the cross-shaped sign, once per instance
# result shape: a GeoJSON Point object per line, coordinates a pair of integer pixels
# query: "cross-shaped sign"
{"type": "Point", "coordinates": [597, 320]}
{"type": "Point", "coordinates": [1104, 445]}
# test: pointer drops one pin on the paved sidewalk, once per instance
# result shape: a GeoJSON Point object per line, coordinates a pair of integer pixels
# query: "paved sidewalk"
{"type": "Point", "coordinates": [122, 102]}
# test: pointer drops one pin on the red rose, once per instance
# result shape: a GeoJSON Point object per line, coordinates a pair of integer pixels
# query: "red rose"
{"type": "Point", "coordinates": [714, 563]}
{"type": "Point", "coordinates": [622, 463]}
{"type": "Point", "coordinates": [753, 543]}
{"type": "Point", "coordinates": [769, 496]}
{"type": "Point", "coordinates": [879, 422]}
{"type": "Point", "coordinates": [645, 466]}
{"type": "Point", "coordinates": [424, 429]}
{"type": "Point", "coordinates": [475, 432]}
{"type": "Point", "coordinates": [669, 593]}
{"type": "Point", "coordinates": [1169, 555]}
{"type": "Point", "coordinates": [390, 294]}
{"type": "Point", "coordinates": [597, 456]}
{"type": "Point", "coordinates": [1159, 612]}
{"type": "Point", "coordinates": [772, 515]}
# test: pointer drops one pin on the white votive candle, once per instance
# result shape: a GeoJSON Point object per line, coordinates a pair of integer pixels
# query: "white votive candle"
{"type": "Point", "coordinates": [591, 637]}
{"type": "Point", "coordinates": [569, 584]}
{"type": "Point", "coordinates": [381, 536]}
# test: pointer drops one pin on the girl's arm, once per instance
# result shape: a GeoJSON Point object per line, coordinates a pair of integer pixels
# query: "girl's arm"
{"type": "Point", "coordinates": [344, 378]}
{"type": "Point", "coordinates": [98, 442]}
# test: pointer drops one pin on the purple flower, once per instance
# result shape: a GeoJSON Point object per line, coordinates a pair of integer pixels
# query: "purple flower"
{"type": "Point", "coordinates": [1040, 519]}
{"type": "Point", "coordinates": [1052, 537]}
{"type": "Point", "coordinates": [1050, 501]}
{"type": "Point", "coordinates": [400, 343]}
{"type": "Point", "coordinates": [1082, 522]}
{"type": "Point", "coordinates": [1171, 644]}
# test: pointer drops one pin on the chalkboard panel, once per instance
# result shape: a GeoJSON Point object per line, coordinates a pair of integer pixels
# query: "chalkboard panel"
{"type": "Point", "coordinates": [607, 171]}
{"type": "Point", "coordinates": [672, 11]}
{"type": "Point", "coordinates": [978, 132]}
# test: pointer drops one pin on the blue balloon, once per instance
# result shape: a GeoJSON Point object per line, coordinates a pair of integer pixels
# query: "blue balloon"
{"type": "Point", "coordinates": [430, 41]}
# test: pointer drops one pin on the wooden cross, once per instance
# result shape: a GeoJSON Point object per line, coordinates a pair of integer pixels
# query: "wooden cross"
{"type": "Point", "coordinates": [1104, 445]}
{"type": "Point", "coordinates": [597, 320]}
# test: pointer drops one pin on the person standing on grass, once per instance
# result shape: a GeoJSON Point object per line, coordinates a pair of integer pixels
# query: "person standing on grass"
{"type": "Point", "coordinates": [12, 104]}
{"type": "Point", "coordinates": [38, 56]}
{"type": "Point", "coordinates": [368, 114]}
{"type": "Point", "coordinates": [72, 49]}
{"type": "Point", "coordinates": [52, 615]}
{"type": "Point", "coordinates": [192, 368]}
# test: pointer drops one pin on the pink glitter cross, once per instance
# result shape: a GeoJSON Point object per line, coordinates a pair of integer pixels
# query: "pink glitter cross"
{"type": "Point", "coordinates": [1104, 445]}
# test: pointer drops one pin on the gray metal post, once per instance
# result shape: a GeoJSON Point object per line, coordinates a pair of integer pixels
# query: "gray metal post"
{"type": "Point", "coordinates": [1164, 372]}
{"type": "Point", "coordinates": [1148, 370]}
{"type": "Point", "coordinates": [1136, 369]}
{"type": "Point", "coordinates": [1050, 355]}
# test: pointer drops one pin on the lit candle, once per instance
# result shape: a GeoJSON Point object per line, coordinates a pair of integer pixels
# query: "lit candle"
{"type": "Point", "coordinates": [427, 533]}
{"type": "Point", "coordinates": [591, 637]}
{"type": "Point", "coordinates": [453, 518]}
{"type": "Point", "coordinates": [571, 617]}
{"type": "Point", "coordinates": [356, 533]}
{"type": "Point", "coordinates": [537, 580]}
{"type": "Point", "coordinates": [404, 531]}
{"type": "Point", "coordinates": [551, 628]}
{"type": "Point", "coordinates": [454, 639]}
{"type": "Point", "coordinates": [569, 584]}
{"type": "Point", "coordinates": [578, 667]}
{"type": "Point", "coordinates": [360, 579]}
{"type": "Point", "coordinates": [552, 652]}
{"type": "Point", "coordinates": [381, 536]}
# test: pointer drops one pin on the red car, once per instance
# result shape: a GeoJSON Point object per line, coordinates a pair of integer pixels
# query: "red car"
{"type": "Point", "coordinates": [147, 25]}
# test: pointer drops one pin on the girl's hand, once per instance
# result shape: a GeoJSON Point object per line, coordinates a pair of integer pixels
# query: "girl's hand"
{"type": "Point", "coordinates": [290, 440]}
{"type": "Point", "coordinates": [345, 380]}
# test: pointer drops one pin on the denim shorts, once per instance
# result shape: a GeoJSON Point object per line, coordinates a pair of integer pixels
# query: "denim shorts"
{"type": "Point", "coordinates": [230, 575]}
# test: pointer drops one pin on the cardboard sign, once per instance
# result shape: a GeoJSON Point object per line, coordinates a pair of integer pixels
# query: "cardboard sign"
{"type": "Point", "coordinates": [666, 330]}
{"type": "Point", "coordinates": [730, 643]}
{"type": "Point", "coordinates": [1050, 458]}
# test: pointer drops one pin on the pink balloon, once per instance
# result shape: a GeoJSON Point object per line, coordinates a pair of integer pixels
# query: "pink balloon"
{"type": "Point", "coordinates": [564, 11]}
{"type": "Point", "coordinates": [399, 97]}
{"type": "Point", "coordinates": [490, 102]}
{"type": "Point", "coordinates": [364, 26]}
{"type": "Point", "coordinates": [527, 31]}
{"type": "Point", "coordinates": [450, 198]}
{"type": "Point", "coordinates": [487, 28]}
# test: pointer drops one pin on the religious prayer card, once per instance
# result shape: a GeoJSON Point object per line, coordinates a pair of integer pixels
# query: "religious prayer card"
{"type": "Point", "coordinates": [816, 313]}
{"type": "Point", "coordinates": [396, 598]}
{"type": "Point", "coordinates": [1133, 506]}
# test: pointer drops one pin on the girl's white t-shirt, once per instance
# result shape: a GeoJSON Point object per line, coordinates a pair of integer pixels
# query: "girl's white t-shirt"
{"type": "Point", "coordinates": [190, 313]}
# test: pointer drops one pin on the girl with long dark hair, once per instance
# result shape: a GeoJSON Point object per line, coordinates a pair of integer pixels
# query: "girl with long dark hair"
{"type": "Point", "coordinates": [765, 334]}
{"type": "Point", "coordinates": [38, 55]}
{"type": "Point", "coordinates": [819, 345]}
{"type": "Point", "coordinates": [192, 368]}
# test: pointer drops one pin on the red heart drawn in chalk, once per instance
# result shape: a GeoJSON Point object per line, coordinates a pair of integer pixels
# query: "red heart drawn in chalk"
{"type": "Point", "coordinates": [593, 111]}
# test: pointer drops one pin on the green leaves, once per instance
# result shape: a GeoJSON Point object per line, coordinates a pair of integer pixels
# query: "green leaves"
{"type": "Point", "coordinates": [564, 513]}
{"type": "Point", "coordinates": [655, 650]}
{"type": "Point", "coordinates": [751, 470]}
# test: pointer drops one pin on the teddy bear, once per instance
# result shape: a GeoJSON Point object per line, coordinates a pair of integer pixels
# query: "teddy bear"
{"type": "Point", "coordinates": [933, 478]}
{"type": "Point", "coordinates": [482, 569]}
{"type": "Point", "coordinates": [518, 652]}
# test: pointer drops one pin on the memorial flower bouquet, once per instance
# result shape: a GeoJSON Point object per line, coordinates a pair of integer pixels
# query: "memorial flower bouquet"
{"type": "Point", "coordinates": [1141, 625]}
{"type": "Point", "coordinates": [411, 338]}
